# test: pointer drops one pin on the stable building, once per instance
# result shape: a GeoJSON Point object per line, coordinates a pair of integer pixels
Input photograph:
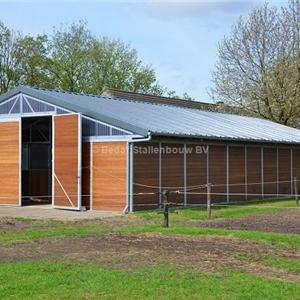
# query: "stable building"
{"type": "Point", "coordinates": [77, 151]}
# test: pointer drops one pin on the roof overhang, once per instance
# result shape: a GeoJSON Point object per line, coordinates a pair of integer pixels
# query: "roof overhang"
{"type": "Point", "coordinates": [199, 138]}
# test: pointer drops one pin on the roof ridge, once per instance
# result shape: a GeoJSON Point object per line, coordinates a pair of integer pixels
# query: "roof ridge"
{"type": "Point", "coordinates": [57, 90]}
{"type": "Point", "coordinates": [62, 91]}
{"type": "Point", "coordinates": [119, 99]}
{"type": "Point", "coordinates": [157, 96]}
{"type": "Point", "coordinates": [93, 95]}
{"type": "Point", "coordinates": [160, 104]}
{"type": "Point", "coordinates": [177, 106]}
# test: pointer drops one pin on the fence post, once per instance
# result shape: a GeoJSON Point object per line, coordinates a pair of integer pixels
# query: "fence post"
{"type": "Point", "coordinates": [209, 200]}
{"type": "Point", "coordinates": [166, 208]}
{"type": "Point", "coordinates": [296, 191]}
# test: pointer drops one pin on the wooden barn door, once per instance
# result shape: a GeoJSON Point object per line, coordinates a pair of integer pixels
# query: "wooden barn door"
{"type": "Point", "coordinates": [10, 162]}
{"type": "Point", "coordinates": [66, 189]}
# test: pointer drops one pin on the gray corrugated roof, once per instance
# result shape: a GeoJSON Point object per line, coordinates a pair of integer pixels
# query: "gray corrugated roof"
{"type": "Point", "coordinates": [166, 120]}
{"type": "Point", "coordinates": [216, 107]}
{"type": "Point", "coordinates": [125, 95]}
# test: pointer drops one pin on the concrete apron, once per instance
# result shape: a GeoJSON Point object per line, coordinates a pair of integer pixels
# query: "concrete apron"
{"type": "Point", "coordinates": [46, 212]}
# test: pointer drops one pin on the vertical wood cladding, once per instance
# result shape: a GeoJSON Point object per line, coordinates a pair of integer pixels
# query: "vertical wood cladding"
{"type": "Point", "coordinates": [66, 160]}
{"type": "Point", "coordinates": [244, 166]}
{"type": "Point", "coordinates": [146, 175]}
{"type": "Point", "coordinates": [296, 166]}
{"type": "Point", "coordinates": [196, 163]}
{"type": "Point", "coordinates": [86, 173]}
{"type": "Point", "coordinates": [270, 171]}
{"type": "Point", "coordinates": [109, 176]}
{"type": "Point", "coordinates": [173, 170]}
{"type": "Point", "coordinates": [254, 172]}
{"type": "Point", "coordinates": [284, 171]}
{"type": "Point", "coordinates": [9, 162]}
{"type": "Point", "coordinates": [237, 173]}
{"type": "Point", "coordinates": [218, 172]}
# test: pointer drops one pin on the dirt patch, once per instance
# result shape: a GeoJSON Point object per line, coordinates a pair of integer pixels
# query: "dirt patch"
{"type": "Point", "coordinates": [117, 222]}
{"type": "Point", "coordinates": [285, 221]}
{"type": "Point", "coordinates": [204, 253]}
{"type": "Point", "coordinates": [8, 224]}
{"type": "Point", "coordinates": [13, 224]}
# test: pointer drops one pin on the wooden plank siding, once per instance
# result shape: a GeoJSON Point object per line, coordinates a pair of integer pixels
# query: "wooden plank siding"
{"type": "Point", "coordinates": [66, 161]}
{"type": "Point", "coordinates": [173, 170]}
{"type": "Point", "coordinates": [217, 174]}
{"type": "Point", "coordinates": [244, 171]}
{"type": "Point", "coordinates": [196, 164]}
{"type": "Point", "coordinates": [9, 163]}
{"type": "Point", "coordinates": [109, 176]}
{"type": "Point", "coordinates": [237, 173]}
{"type": "Point", "coordinates": [270, 171]}
{"type": "Point", "coordinates": [284, 171]}
{"type": "Point", "coordinates": [254, 173]}
{"type": "Point", "coordinates": [86, 174]}
{"type": "Point", "coordinates": [296, 166]}
{"type": "Point", "coordinates": [146, 175]}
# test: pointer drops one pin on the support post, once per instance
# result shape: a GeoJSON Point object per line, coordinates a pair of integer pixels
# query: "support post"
{"type": "Point", "coordinates": [209, 200]}
{"type": "Point", "coordinates": [227, 173]}
{"type": "Point", "coordinates": [296, 191]}
{"type": "Point", "coordinates": [185, 177]}
{"type": "Point", "coordinates": [262, 171]}
{"type": "Point", "coordinates": [166, 208]}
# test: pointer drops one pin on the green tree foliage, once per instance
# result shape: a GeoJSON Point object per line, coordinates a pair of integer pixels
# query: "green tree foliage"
{"type": "Point", "coordinates": [33, 62]}
{"type": "Point", "coordinates": [115, 65]}
{"type": "Point", "coordinates": [70, 53]}
{"type": "Point", "coordinates": [73, 59]}
{"type": "Point", "coordinates": [23, 59]}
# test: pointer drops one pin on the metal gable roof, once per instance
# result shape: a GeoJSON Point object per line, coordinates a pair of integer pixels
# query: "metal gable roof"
{"type": "Point", "coordinates": [166, 120]}
{"type": "Point", "coordinates": [84, 104]}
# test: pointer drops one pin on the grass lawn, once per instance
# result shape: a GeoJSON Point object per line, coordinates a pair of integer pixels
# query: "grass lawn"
{"type": "Point", "coordinates": [221, 211]}
{"type": "Point", "coordinates": [52, 280]}
{"type": "Point", "coordinates": [273, 273]}
{"type": "Point", "coordinates": [153, 221]}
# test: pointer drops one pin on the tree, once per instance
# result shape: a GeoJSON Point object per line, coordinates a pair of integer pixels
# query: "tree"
{"type": "Point", "coordinates": [80, 62]}
{"type": "Point", "coordinates": [115, 65]}
{"type": "Point", "coordinates": [258, 68]}
{"type": "Point", "coordinates": [23, 59]}
{"type": "Point", "coordinates": [69, 50]}
{"type": "Point", "coordinates": [75, 60]}
{"type": "Point", "coordinates": [33, 61]}
{"type": "Point", "coordinates": [9, 74]}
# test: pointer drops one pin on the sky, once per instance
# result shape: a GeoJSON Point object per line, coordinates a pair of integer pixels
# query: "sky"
{"type": "Point", "coordinates": [179, 39]}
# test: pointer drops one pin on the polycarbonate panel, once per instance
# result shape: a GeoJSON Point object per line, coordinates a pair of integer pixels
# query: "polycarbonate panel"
{"type": "Point", "coordinates": [88, 127]}
{"type": "Point", "coordinates": [26, 108]}
{"type": "Point", "coordinates": [60, 111]}
{"type": "Point", "coordinates": [94, 128]}
{"type": "Point", "coordinates": [16, 107]}
{"type": "Point", "coordinates": [118, 132]}
{"type": "Point", "coordinates": [102, 130]}
{"type": "Point", "coordinates": [6, 107]}
{"type": "Point", "coordinates": [38, 106]}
